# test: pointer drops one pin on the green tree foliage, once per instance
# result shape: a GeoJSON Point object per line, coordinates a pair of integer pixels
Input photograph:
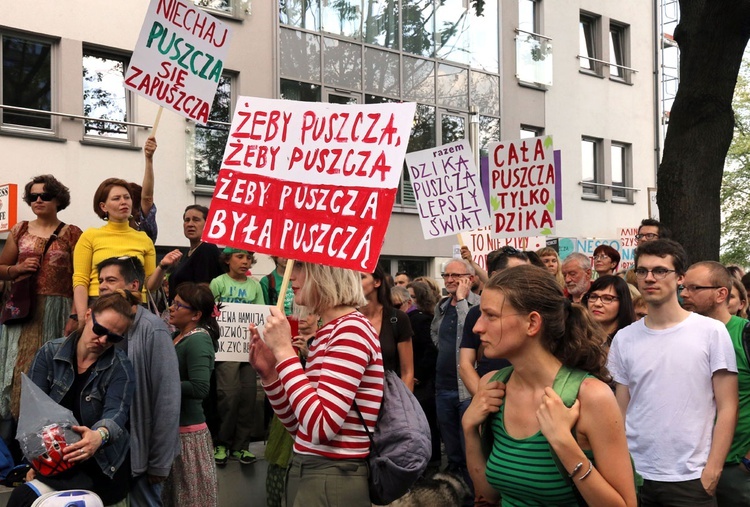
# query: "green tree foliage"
{"type": "Point", "coordinates": [735, 190]}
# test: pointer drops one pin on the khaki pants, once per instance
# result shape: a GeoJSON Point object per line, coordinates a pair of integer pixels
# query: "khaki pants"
{"type": "Point", "coordinates": [314, 481]}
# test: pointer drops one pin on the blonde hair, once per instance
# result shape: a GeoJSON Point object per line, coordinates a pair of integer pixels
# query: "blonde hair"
{"type": "Point", "coordinates": [431, 283]}
{"type": "Point", "coordinates": [548, 251]}
{"type": "Point", "coordinates": [327, 287]}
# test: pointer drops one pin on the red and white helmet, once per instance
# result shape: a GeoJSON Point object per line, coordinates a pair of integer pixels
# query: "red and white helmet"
{"type": "Point", "coordinates": [51, 461]}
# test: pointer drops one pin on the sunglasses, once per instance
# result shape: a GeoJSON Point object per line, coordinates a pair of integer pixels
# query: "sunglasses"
{"type": "Point", "coordinates": [46, 196]}
{"type": "Point", "coordinates": [100, 330]}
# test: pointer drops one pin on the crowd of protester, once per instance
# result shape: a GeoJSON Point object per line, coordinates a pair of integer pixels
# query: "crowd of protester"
{"type": "Point", "coordinates": [660, 344]}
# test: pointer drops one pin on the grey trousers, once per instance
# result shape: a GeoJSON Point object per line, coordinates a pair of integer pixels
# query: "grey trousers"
{"type": "Point", "coordinates": [314, 481]}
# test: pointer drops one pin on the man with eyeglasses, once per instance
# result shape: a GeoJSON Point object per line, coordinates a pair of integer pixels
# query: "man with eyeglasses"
{"type": "Point", "coordinates": [650, 230]}
{"type": "Point", "coordinates": [706, 291]}
{"type": "Point", "coordinates": [676, 384]}
{"type": "Point", "coordinates": [451, 396]}
{"type": "Point", "coordinates": [155, 411]}
{"type": "Point", "coordinates": [576, 271]}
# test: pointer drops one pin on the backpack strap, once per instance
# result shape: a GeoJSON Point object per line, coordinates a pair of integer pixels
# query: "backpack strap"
{"type": "Point", "coordinates": [567, 383]}
{"type": "Point", "coordinates": [485, 433]}
{"type": "Point", "coordinates": [373, 448]}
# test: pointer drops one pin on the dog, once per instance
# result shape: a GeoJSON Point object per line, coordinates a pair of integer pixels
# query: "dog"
{"type": "Point", "coordinates": [441, 490]}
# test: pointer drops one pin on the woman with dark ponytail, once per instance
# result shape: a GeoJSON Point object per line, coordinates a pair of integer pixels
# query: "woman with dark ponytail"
{"type": "Point", "coordinates": [527, 319]}
{"type": "Point", "coordinates": [192, 481]}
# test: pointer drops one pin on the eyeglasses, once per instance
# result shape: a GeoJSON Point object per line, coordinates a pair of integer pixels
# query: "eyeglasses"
{"type": "Point", "coordinates": [696, 288]}
{"type": "Point", "coordinates": [604, 298]}
{"type": "Point", "coordinates": [180, 305]}
{"type": "Point", "coordinates": [100, 330]}
{"type": "Point", "coordinates": [650, 236]}
{"type": "Point", "coordinates": [45, 196]}
{"type": "Point", "coordinates": [659, 273]}
{"type": "Point", "coordinates": [601, 257]}
{"type": "Point", "coordinates": [447, 276]}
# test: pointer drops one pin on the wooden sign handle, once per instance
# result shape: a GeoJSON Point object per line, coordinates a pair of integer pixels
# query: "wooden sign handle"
{"type": "Point", "coordinates": [285, 284]}
{"type": "Point", "coordinates": [156, 122]}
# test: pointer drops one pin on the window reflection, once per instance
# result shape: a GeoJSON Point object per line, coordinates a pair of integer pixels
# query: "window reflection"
{"type": "Point", "coordinates": [216, 5]}
{"type": "Point", "coordinates": [452, 29]}
{"type": "Point", "coordinates": [342, 17]}
{"type": "Point", "coordinates": [452, 86]}
{"type": "Point", "coordinates": [297, 90]}
{"type": "Point", "coordinates": [27, 81]}
{"type": "Point", "coordinates": [300, 13]}
{"type": "Point", "coordinates": [381, 23]}
{"type": "Point", "coordinates": [618, 170]}
{"type": "Point", "coordinates": [489, 132]}
{"type": "Point", "coordinates": [104, 96]}
{"type": "Point", "coordinates": [419, 79]}
{"type": "Point", "coordinates": [418, 25]}
{"type": "Point", "coordinates": [422, 138]}
{"type": "Point", "coordinates": [588, 165]}
{"type": "Point", "coordinates": [485, 92]}
{"type": "Point", "coordinates": [343, 64]}
{"type": "Point", "coordinates": [452, 128]}
{"type": "Point", "coordinates": [211, 139]}
{"type": "Point", "coordinates": [382, 72]}
{"type": "Point", "coordinates": [301, 55]}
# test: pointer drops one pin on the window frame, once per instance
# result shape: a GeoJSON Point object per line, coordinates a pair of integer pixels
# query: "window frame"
{"type": "Point", "coordinates": [624, 195]}
{"type": "Point", "coordinates": [130, 138]}
{"type": "Point", "coordinates": [12, 128]}
{"type": "Point", "coordinates": [593, 44]}
{"type": "Point", "coordinates": [597, 192]}
{"type": "Point", "coordinates": [622, 32]}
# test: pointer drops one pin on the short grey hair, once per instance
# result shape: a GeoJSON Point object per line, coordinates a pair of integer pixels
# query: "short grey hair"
{"type": "Point", "coordinates": [583, 260]}
{"type": "Point", "coordinates": [469, 268]}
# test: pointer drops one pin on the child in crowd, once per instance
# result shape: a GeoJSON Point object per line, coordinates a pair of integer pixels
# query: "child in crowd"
{"type": "Point", "coordinates": [236, 385]}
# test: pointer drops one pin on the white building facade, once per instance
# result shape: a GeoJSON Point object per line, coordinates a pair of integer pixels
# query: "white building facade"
{"type": "Point", "coordinates": [582, 71]}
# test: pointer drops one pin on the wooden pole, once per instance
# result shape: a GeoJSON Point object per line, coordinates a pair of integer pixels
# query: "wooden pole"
{"type": "Point", "coordinates": [156, 122]}
{"type": "Point", "coordinates": [284, 284]}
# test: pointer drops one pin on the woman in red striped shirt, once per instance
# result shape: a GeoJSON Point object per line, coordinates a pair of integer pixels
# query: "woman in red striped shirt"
{"type": "Point", "coordinates": [315, 404]}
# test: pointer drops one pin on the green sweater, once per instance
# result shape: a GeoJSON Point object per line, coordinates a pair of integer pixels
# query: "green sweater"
{"type": "Point", "coordinates": [195, 355]}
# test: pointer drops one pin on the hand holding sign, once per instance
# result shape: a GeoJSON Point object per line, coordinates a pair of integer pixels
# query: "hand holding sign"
{"type": "Point", "coordinates": [261, 357]}
{"type": "Point", "coordinates": [278, 335]}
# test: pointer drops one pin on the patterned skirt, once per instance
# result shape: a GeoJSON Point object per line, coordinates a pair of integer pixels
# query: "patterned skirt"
{"type": "Point", "coordinates": [19, 344]}
{"type": "Point", "coordinates": [192, 481]}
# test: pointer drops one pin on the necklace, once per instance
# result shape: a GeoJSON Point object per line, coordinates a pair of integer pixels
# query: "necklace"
{"type": "Point", "coordinates": [177, 339]}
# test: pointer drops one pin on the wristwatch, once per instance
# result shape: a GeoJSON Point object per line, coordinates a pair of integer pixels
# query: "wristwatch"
{"type": "Point", "coordinates": [746, 463]}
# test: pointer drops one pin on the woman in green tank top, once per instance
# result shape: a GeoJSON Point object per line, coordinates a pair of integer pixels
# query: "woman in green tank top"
{"type": "Point", "coordinates": [526, 319]}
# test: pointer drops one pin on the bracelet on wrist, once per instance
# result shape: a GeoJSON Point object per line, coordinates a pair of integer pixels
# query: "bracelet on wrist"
{"type": "Point", "coordinates": [576, 469]}
{"type": "Point", "coordinates": [591, 467]}
{"type": "Point", "coordinates": [7, 272]}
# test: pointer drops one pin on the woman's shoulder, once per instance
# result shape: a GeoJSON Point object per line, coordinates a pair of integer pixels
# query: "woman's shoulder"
{"type": "Point", "coordinates": [595, 393]}
{"type": "Point", "coordinates": [19, 228]}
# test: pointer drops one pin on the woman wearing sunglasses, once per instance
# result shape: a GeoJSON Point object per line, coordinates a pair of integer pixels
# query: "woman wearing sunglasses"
{"type": "Point", "coordinates": [609, 303]}
{"type": "Point", "coordinates": [86, 374]}
{"type": "Point", "coordinates": [51, 274]}
{"type": "Point", "coordinates": [193, 481]}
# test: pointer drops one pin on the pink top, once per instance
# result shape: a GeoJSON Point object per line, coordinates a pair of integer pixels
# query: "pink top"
{"type": "Point", "coordinates": [315, 404]}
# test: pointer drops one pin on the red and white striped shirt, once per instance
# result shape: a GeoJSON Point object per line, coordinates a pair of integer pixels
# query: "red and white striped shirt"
{"type": "Point", "coordinates": [315, 404]}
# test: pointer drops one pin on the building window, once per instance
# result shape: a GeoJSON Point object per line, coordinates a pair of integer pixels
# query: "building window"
{"type": "Point", "coordinates": [621, 172]}
{"type": "Point", "coordinates": [589, 55]}
{"type": "Point", "coordinates": [211, 139]}
{"type": "Point", "coordinates": [528, 131]}
{"type": "Point", "coordinates": [533, 50]}
{"type": "Point", "coordinates": [219, 6]}
{"type": "Point", "coordinates": [619, 61]}
{"type": "Point", "coordinates": [104, 96]}
{"type": "Point", "coordinates": [27, 81]}
{"type": "Point", "coordinates": [297, 90]}
{"type": "Point", "coordinates": [591, 167]}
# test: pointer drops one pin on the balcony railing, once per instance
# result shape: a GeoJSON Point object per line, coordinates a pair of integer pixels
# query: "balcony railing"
{"type": "Point", "coordinates": [533, 58]}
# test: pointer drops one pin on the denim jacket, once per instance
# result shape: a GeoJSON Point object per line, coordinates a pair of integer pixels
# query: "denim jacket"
{"type": "Point", "coordinates": [105, 399]}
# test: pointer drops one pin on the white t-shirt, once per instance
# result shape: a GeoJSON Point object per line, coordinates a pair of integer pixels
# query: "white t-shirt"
{"type": "Point", "coordinates": [670, 417]}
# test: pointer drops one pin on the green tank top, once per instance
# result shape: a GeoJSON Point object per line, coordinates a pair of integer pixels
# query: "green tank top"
{"type": "Point", "coordinates": [524, 472]}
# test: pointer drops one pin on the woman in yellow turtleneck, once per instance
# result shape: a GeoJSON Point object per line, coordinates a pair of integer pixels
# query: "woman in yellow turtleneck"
{"type": "Point", "coordinates": [112, 202]}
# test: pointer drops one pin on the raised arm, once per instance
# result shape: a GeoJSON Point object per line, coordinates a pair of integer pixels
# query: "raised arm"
{"type": "Point", "coordinates": [147, 191]}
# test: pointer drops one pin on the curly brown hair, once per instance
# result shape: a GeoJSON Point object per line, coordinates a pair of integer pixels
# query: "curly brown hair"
{"type": "Point", "coordinates": [51, 185]}
{"type": "Point", "coordinates": [568, 332]}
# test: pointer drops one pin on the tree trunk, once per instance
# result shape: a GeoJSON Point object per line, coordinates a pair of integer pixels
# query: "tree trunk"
{"type": "Point", "coordinates": [712, 36]}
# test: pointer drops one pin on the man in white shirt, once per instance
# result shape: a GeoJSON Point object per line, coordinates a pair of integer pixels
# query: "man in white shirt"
{"type": "Point", "coordinates": [676, 376]}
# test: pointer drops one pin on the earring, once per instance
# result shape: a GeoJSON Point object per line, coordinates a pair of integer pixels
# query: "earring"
{"type": "Point", "coordinates": [106, 216]}
{"type": "Point", "coordinates": [130, 217]}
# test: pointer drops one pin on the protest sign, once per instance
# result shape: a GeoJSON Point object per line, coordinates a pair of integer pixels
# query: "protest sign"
{"type": "Point", "coordinates": [234, 342]}
{"type": "Point", "coordinates": [522, 187]}
{"type": "Point", "coordinates": [308, 181]}
{"type": "Point", "coordinates": [447, 190]}
{"type": "Point", "coordinates": [627, 247]}
{"type": "Point", "coordinates": [8, 206]}
{"type": "Point", "coordinates": [481, 242]}
{"type": "Point", "coordinates": [179, 57]}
